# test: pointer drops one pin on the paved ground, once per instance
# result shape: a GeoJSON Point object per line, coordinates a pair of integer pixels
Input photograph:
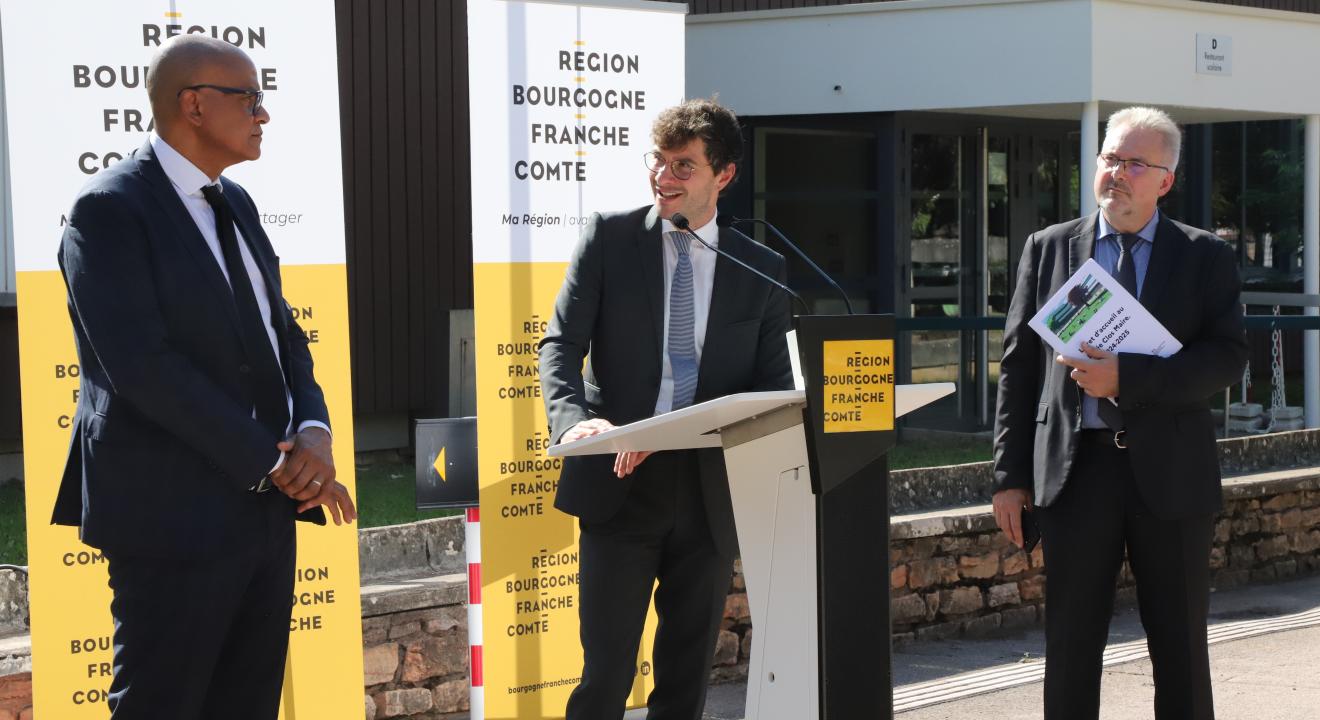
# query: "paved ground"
{"type": "Point", "coordinates": [1265, 657]}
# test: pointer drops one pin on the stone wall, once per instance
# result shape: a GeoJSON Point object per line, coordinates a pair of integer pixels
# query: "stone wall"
{"type": "Point", "coordinates": [954, 574]}
{"type": "Point", "coordinates": [415, 649]}
{"type": "Point", "coordinates": [921, 489]}
{"type": "Point", "coordinates": [13, 602]}
{"type": "Point", "coordinates": [958, 575]}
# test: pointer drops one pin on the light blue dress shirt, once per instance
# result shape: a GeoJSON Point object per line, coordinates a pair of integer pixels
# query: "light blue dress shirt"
{"type": "Point", "coordinates": [1108, 246]}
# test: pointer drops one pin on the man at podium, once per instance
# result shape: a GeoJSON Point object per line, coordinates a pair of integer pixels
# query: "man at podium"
{"type": "Point", "coordinates": [667, 323]}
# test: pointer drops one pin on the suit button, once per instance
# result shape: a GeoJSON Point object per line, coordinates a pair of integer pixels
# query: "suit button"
{"type": "Point", "coordinates": [245, 368]}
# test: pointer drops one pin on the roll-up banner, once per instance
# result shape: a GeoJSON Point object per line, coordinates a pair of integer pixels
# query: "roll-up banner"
{"type": "Point", "coordinates": [562, 100]}
{"type": "Point", "coordinates": [76, 102]}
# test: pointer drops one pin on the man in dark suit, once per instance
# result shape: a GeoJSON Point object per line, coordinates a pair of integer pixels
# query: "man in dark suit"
{"type": "Point", "coordinates": [667, 323]}
{"type": "Point", "coordinates": [1141, 476]}
{"type": "Point", "coordinates": [200, 431]}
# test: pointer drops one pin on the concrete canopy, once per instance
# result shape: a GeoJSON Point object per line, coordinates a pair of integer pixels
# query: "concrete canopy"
{"type": "Point", "coordinates": [1023, 58]}
{"type": "Point", "coordinates": [1059, 59]}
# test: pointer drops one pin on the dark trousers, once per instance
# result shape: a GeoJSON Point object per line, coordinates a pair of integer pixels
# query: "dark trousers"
{"type": "Point", "coordinates": [1084, 534]}
{"type": "Point", "coordinates": [206, 637]}
{"type": "Point", "coordinates": [660, 534]}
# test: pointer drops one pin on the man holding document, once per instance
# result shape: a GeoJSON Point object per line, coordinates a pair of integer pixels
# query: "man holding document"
{"type": "Point", "coordinates": [1116, 449]}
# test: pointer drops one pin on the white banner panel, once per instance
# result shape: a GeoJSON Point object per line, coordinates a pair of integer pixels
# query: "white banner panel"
{"type": "Point", "coordinates": [77, 101]}
{"type": "Point", "coordinates": [562, 100]}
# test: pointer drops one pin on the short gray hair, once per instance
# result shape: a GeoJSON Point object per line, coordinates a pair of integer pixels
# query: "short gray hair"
{"type": "Point", "coordinates": [1149, 118]}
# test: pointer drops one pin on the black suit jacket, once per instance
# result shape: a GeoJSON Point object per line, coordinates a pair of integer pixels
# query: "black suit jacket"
{"type": "Point", "coordinates": [612, 305]}
{"type": "Point", "coordinates": [164, 444]}
{"type": "Point", "coordinates": [1191, 286]}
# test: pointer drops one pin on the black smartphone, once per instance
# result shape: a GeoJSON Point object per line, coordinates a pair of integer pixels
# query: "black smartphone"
{"type": "Point", "coordinates": [1030, 531]}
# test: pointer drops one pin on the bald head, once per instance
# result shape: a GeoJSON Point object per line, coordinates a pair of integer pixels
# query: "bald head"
{"type": "Point", "coordinates": [207, 102]}
{"type": "Point", "coordinates": [181, 61]}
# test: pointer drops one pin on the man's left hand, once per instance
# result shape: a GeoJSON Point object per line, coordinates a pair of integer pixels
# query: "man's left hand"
{"type": "Point", "coordinates": [1097, 374]}
{"type": "Point", "coordinates": [626, 462]}
{"type": "Point", "coordinates": [308, 466]}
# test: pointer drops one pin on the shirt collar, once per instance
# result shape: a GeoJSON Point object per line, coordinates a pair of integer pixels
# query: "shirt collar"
{"type": "Point", "coordinates": [1104, 229]}
{"type": "Point", "coordinates": [186, 177]}
{"type": "Point", "coordinates": [710, 232]}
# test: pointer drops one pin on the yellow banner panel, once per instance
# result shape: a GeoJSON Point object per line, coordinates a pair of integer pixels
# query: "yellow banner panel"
{"type": "Point", "coordinates": [70, 599]}
{"type": "Point", "coordinates": [858, 385]}
{"type": "Point", "coordinates": [529, 556]}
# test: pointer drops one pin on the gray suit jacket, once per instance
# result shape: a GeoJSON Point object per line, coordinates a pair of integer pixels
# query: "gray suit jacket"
{"type": "Point", "coordinates": [1191, 286]}
{"type": "Point", "coordinates": [611, 307]}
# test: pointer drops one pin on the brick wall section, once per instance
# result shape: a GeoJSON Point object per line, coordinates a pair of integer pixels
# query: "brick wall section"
{"type": "Point", "coordinates": [16, 697]}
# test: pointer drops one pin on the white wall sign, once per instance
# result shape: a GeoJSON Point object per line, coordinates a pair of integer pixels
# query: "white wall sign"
{"type": "Point", "coordinates": [1214, 54]}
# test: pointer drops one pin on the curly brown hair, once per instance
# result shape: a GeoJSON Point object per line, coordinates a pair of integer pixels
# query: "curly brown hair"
{"type": "Point", "coordinates": [702, 119]}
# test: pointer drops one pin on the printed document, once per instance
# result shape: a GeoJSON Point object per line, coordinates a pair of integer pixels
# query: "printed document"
{"type": "Point", "coordinates": [1093, 308]}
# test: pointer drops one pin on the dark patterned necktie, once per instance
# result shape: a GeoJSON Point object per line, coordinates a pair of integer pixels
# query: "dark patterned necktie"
{"type": "Point", "coordinates": [268, 388]}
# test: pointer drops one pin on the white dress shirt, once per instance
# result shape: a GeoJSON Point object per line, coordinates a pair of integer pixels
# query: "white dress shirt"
{"type": "Point", "coordinates": [703, 281]}
{"type": "Point", "coordinates": [188, 182]}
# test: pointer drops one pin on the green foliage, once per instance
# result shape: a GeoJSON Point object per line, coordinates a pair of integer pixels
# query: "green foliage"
{"type": "Point", "coordinates": [13, 528]}
{"type": "Point", "coordinates": [386, 495]}
{"type": "Point", "coordinates": [909, 454]}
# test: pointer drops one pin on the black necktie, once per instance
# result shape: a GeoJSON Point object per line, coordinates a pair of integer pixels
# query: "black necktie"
{"type": "Point", "coordinates": [262, 368]}
{"type": "Point", "coordinates": [1127, 277]}
{"type": "Point", "coordinates": [1127, 267]}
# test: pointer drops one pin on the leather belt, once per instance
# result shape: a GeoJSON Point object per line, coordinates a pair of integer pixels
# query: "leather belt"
{"type": "Point", "coordinates": [1104, 438]}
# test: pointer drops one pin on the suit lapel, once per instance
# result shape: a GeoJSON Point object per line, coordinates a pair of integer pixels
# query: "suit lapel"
{"type": "Point", "coordinates": [652, 258]}
{"type": "Point", "coordinates": [187, 233]}
{"type": "Point", "coordinates": [250, 227]}
{"type": "Point", "coordinates": [726, 288]}
{"type": "Point", "coordinates": [1081, 247]}
{"type": "Point", "coordinates": [1164, 252]}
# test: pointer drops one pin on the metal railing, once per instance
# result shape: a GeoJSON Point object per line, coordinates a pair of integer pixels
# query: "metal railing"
{"type": "Point", "coordinates": [983, 325]}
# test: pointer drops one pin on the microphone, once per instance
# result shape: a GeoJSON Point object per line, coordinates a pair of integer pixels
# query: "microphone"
{"type": "Point", "coordinates": [725, 220]}
{"type": "Point", "coordinates": [681, 222]}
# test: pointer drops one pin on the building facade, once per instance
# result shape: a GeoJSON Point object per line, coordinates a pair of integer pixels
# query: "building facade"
{"type": "Point", "coordinates": [919, 208]}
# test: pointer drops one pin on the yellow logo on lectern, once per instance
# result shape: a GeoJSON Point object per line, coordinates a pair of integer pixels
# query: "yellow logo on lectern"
{"type": "Point", "coordinates": [858, 385]}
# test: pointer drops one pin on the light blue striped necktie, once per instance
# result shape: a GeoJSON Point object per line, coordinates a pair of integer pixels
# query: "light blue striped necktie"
{"type": "Point", "coordinates": [682, 335]}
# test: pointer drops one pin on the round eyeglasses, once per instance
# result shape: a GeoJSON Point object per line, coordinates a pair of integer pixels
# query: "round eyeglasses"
{"type": "Point", "coordinates": [681, 169]}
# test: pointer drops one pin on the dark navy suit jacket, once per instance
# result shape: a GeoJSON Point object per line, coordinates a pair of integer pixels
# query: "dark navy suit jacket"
{"type": "Point", "coordinates": [612, 306]}
{"type": "Point", "coordinates": [164, 444]}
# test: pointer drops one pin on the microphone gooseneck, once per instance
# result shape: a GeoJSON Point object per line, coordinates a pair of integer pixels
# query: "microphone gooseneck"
{"type": "Point", "coordinates": [725, 220]}
{"type": "Point", "coordinates": [681, 222]}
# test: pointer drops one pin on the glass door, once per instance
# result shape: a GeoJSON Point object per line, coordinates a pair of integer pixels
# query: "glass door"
{"type": "Point", "coordinates": [939, 272]}
{"type": "Point", "coordinates": [972, 199]}
{"type": "Point", "coordinates": [819, 188]}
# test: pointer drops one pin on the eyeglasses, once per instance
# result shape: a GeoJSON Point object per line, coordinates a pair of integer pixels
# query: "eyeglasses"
{"type": "Point", "coordinates": [256, 95]}
{"type": "Point", "coordinates": [1135, 168]}
{"type": "Point", "coordinates": [681, 169]}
